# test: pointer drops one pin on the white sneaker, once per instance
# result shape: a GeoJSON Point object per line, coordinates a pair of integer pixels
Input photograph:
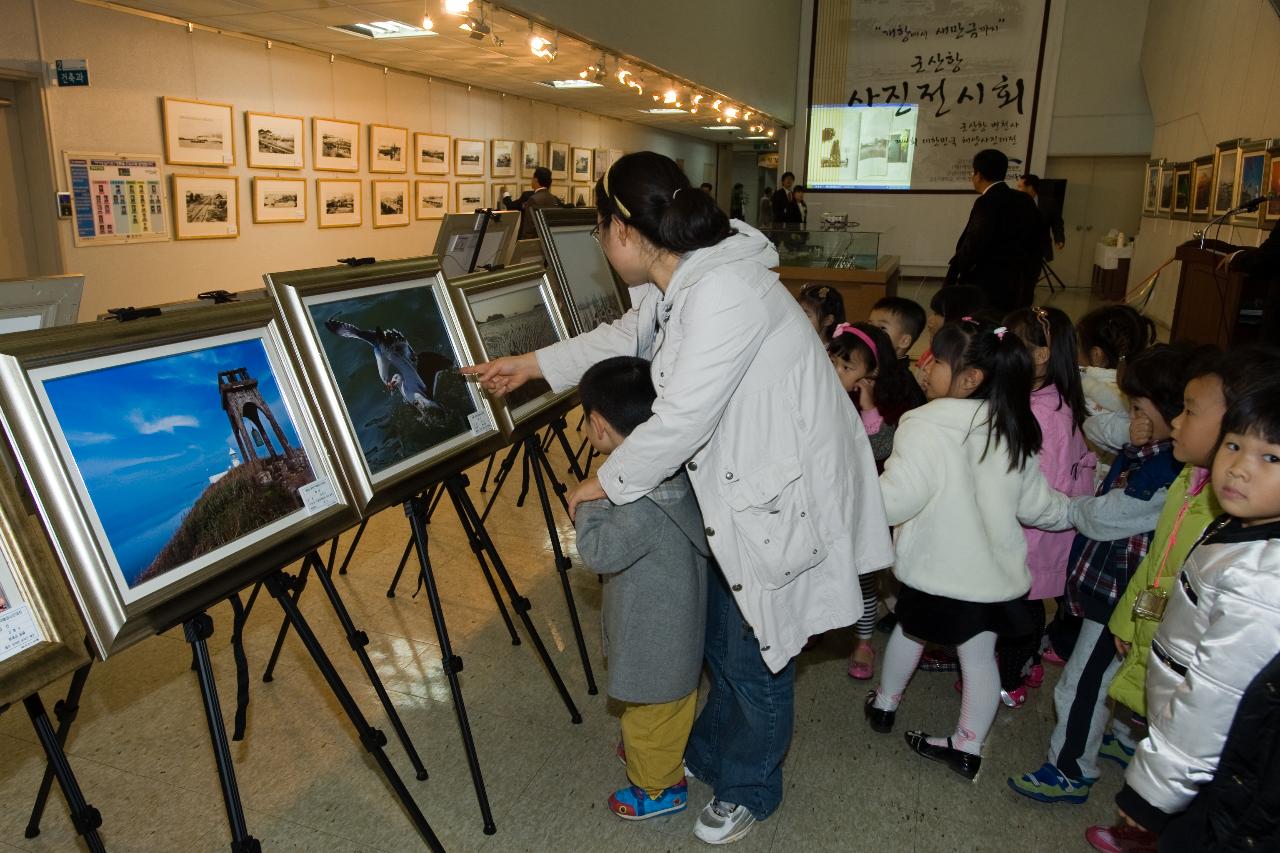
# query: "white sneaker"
{"type": "Point", "coordinates": [723, 823]}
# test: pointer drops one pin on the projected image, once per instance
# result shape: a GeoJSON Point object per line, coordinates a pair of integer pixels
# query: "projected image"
{"type": "Point", "coordinates": [861, 147]}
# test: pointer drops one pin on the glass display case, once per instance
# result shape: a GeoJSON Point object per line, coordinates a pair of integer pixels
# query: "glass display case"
{"type": "Point", "coordinates": [829, 249]}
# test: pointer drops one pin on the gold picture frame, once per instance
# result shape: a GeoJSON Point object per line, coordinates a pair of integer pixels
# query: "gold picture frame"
{"type": "Point", "coordinates": [1251, 179]}
{"type": "Point", "coordinates": [468, 157]}
{"type": "Point", "coordinates": [277, 200]}
{"type": "Point", "coordinates": [431, 200]}
{"type": "Point", "coordinates": [274, 141]}
{"type": "Point", "coordinates": [388, 149]}
{"type": "Point", "coordinates": [471, 195]}
{"type": "Point", "coordinates": [530, 158]}
{"type": "Point", "coordinates": [502, 158]}
{"type": "Point", "coordinates": [431, 152]}
{"type": "Point", "coordinates": [335, 145]}
{"type": "Point", "coordinates": [389, 201]}
{"type": "Point", "coordinates": [206, 207]}
{"type": "Point", "coordinates": [558, 161]}
{"type": "Point", "coordinates": [198, 133]}
{"type": "Point", "coordinates": [338, 202]}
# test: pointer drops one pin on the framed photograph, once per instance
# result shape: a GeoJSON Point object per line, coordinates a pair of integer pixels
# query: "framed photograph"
{"type": "Point", "coordinates": [500, 189]}
{"type": "Point", "coordinates": [1201, 187]}
{"type": "Point", "coordinates": [279, 200]}
{"type": "Point", "coordinates": [432, 199]}
{"type": "Point", "coordinates": [380, 345]}
{"type": "Point", "coordinates": [431, 154]}
{"type": "Point", "coordinates": [198, 133]}
{"type": "Point", "coordinates": [1271, 211]}
{"type": "Point", "coordinates": [338, 202]}
{"type": "Point", "coordinates": [592, 293]}
{"type": "Point", "coordinates": [41, 637]}
{"type": "Point", "coordinates": [502, 154]}
{"type": "Point", "coordinates": [274, 141]}
{"type": "Point", "coordinates": [558, 161]}
{"type": "Point", "coordinates": [1225, 161]}
{"type": "Point", "coordinates": [1182, 191]}
{"type": "Point", "coordinates": [1151, 187]}
{"type": "Point", "coordinates": [532, 158]}
{"type": "Point", "coordinates": [1165, 205]}
{"type": "Point", "coordinates": [600, 158]}
{"type": "Point", "coordinates": [38, 303]}
{"type": "Point", "coordinates": [460, 232]}
{"type": "Point", "coordinates": [388, 149]}
{"type": "Point", "coordinates": [582, 159]}
{"type": "Point", "coordinates": [468, 157]}
{"type": "Point", "coordinates": [615, 154]}
{"type": "Point", "coordinates": [337, 145]}
{"type": "Point", "coordinates": [173, 460]}
{"type": "Point", "coordinates": [206, 207]}
{"type": "Point", "coordinates": [510, 312]}
{"type": "Point", "coordinates": [580, 196]}
{"type": "Point", "coordinates": [472, 195]}
{"type": "Point", "coordinates": [1253, 174]}
{"type": "Point", "coordinates": [390, 203]}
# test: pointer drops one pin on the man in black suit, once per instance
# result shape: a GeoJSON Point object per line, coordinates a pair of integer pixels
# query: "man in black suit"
{"type": "Point", "coordinates": [999, 250]}
{"type": "Point", "coordinates": [530, 200]}
{"type": "Point", "coordinates": [1054, 232]}
{"type": "Point", "coordinates": [786, 213]}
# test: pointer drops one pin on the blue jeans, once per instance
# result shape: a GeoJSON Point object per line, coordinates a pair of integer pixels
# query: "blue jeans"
{"type": "Point", "coordinates": [741, 736]}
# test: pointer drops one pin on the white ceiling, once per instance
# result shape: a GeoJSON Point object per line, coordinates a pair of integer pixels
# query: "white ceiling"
{"type": "Point", "coordinates": [452, 54]}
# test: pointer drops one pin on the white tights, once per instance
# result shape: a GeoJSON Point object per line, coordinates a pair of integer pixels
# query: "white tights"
{"type": "Point", "coordinates": [981, 696]}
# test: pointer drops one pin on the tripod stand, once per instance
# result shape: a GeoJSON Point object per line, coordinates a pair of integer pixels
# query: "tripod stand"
{"type": "Point", "coordinates": [1047, 274]}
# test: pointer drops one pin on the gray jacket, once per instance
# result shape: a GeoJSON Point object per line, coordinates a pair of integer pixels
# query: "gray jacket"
{"type": "Point", "coordinates": [653, 555]}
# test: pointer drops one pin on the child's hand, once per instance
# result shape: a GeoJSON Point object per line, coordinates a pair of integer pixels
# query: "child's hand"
{"type": "Point", "coordinates": [866, 394]}
{"type": "Point", "coordinates": [588, 490]}
{"type": "Point", "coordinates": [1122, 648]}
{"type": "Point", "coordinates": [1139, 428]}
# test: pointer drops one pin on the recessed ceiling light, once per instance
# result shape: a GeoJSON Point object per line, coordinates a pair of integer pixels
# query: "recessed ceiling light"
{"type": "Point", "coordinates": [571, 84]}
{"type": "Point", "coordinates": [756, 137]}
{"type": "Point", "coordinates": [664, 111]}
{"type": "Point", "coordinates": [723, 127]}
{"type": "Point", "coordinates": [383, 30]}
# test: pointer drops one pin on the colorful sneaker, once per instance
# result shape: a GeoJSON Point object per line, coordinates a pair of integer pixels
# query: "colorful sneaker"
{"type": "Point", "coordinates": [1015, 698]}
{"type": "Point", "coordinates": [632, 803]}
{"type": "Point", "coordinates": [1121, 839]}
{"type": "Point", "coordinates": [1113, 750]}
{"type": "Point", "coordinates": [723, 823]}
{"type": "Point", "coordinates": [1049, 785]}
{"type": "Point", "coordinates": [1050, 656]}
{"type": "Point", "coordinates": [1035, 676]}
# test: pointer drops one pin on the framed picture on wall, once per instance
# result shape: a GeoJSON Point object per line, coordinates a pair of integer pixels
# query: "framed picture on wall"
{"type": "Point", "coordinates": [500, 189]}
{"type": "Point", "coordinates": [503, 158]}
{"type": "Point", "coordinates": [1253, 175]}
{"type": "Point", "coordinates": [432, 199]}
{"type": "Point", "coordinates": [1271, 211]}
{"type": "Point", "coordinates": [1182, 191]}
{"type": "Point", "coordinates": [558, 161]}
{"type": "Point", "coordinates": [388, 148]}
{"type": "Point", "coordinates": [615, 154]}
{"type": "Point", "coordinates": [198, 133]}
{"type": "Point", "coordinates": [531, 159]}
{"type": "Point", "coordinates": [337, 145]}
{"type": "Point", "coordinates": [205, 207]}
{"type": "Point", "coordinates": [1164, 207]}
{"type": "Point", "coordinates": [338, 202]}
{"type": "Point", "coordinates": [390, 203]}
{"type": "Point", "coordinates": [579, 195]}
{"type": "Point", "coordinates": [279, 200]}
{"type": "Point", "coordinates": [1151, 187]}
{"type": "Point", "coordinates": [274, 141]}
{"type": "Point", "coordinates": [1225, 159]}
{"type": "Point", "coordinates": [1201, 187]}
{"type": "Point", "coordinates": [582, 170]}
{"type": "Point", "coordinates": [468, 157]}
{"type": "Point", "coordinates": [431, 153]}
{"type": "Point", "coordinates": [601, 163]}
{"type": "Point", "coordinates": [471, 195]}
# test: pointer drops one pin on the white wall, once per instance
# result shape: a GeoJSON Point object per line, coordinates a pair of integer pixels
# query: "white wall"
{"type": "Point", "coordinates": [1212, 73]}
{"type": "Point", "coordinates": [134, 61]}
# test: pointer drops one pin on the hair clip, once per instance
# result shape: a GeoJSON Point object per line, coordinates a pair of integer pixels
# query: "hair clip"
{"type": "Point", "coordinates": [967, 319]}
{"type": "Point", "coordinates": [824, 292]}
{"type": "Point", "coordinates": [999, 332]}
{"type": "Point", "coordinates": [604, 184]}
{"type": "Point", "coordinates": [1042, 316]}
{"type": "Point", "coordinates": [676, 193]}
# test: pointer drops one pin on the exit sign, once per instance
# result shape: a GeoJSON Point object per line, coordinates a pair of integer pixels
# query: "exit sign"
{"type": "Point", "coordinates": [72, 72]}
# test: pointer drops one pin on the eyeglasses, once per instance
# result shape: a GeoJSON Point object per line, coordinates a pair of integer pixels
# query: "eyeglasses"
{"type": "Point", "coordinates": [595, 232]}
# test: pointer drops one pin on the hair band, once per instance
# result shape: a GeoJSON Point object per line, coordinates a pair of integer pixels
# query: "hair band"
{"type": "Point", "coordinates": [676, 193]}
{"type": "Point", "coordinates": [617, 202]}
{"type": "Point", "coordinates": [866, 339]}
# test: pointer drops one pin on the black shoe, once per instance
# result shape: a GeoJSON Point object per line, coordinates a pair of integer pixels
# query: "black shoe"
{"type": "Point", "coordinates": [880, 720]}
{"type": "Point", "coordinates": [964, 763]}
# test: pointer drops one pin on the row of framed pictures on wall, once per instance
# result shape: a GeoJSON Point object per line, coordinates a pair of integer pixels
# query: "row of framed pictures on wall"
{"type": "Point", "coordinates": [202, 133]}
{"type": "Point", "coordinates": [174, 459]}
{"type": "Point", "coordinates": [208, 206]}
{"type": "Point", "coordinates": [1211, 186]}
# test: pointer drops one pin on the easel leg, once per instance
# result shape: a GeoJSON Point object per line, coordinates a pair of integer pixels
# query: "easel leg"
{"type": "Point", "coordinates": [404, 561]}
{"type": "Point", "coordinates": [65, 710]}
{"type": "Point", "coordinates": [342, 570]}
{"type": "Point", "coordinates": [558, 427]}
{"type": "Point", "coordinates": [84, 817]}
{"type": "Point", "coordinates": [269, 674]}
{"type": "Point", "coordinates": [471, 521]}
{"type": "Point", "coordinates": [488, 469]}
{"type": "Point", "coordinates": [504, 470]}
{"type": "Point", "coordinates": [198, 629]}
{"type": "Point", "coordinates": [451, 663]}
{"type": "Point", "coordinates": [538, 461]}
{"type": "Point", "coordinates": [278, 585]}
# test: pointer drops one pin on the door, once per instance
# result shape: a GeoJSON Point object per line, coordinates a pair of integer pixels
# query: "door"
{"type": "Point", "coordinates": [19, 257]}
{"type": "Point", "coordinates": [1102, 193]}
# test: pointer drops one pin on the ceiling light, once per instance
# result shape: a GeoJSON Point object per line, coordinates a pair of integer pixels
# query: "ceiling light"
{"type": "Point", "coordinates": [570, 84]}
{"type": "Point", "coordinates": [722, 127]}
{"type": "Point", "coordinates": [730, 112]}
{"type": "Point", "coordinates": [542, 47]}
{"type": "Point", "coordinates": [475, 28]}
{"type": "Point", "coordinates": [670, 96]}
{"type": "Point", "coordinates": [755, 137]}
{"type": "Point", "coordinates": [663, 111]}
{"type": "Point", "coordinates": [384, 30]}
{"type": "Point", "coordinates": [747, 115]}
{"type": "Point", "coordinates": [427, 23]}
{"type": "Point", "coordinates": [697, 99]}
{"type": "Point", "coordinates": [456, 7]}
{"type": "Point", "coordinates": [715, 105]}
{"type": "Point", "coordinates": [770, 134]}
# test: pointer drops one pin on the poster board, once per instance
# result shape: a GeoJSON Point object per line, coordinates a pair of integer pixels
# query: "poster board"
{"type": "Point", "coordinates": [116, 198]}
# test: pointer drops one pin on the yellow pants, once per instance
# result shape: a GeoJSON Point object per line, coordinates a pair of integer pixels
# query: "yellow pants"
{"type": "Point", "coordinates": [654, 737]}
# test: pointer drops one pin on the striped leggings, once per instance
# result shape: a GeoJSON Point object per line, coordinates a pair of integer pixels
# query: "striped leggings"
{"type": "Point", "coordinates": [866, 626]}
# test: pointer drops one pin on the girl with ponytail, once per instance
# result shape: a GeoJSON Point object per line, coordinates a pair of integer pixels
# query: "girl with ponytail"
{"type": "Point", "coordinates": [960, 483]}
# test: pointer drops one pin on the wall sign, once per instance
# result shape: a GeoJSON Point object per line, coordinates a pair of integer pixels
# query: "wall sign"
{"type": "Point", "coordinates": [71, 72]}
{"type": "Point", "coordinates": [116, 198]}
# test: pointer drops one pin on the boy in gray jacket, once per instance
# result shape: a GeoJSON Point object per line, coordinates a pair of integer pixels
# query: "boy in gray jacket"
{"type": "Point", "coordinates": [653, 556]}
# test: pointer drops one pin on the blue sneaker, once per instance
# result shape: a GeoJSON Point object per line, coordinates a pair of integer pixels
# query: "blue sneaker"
{"type": "Point", "coordinates": [632, 803]}
{"type": "Point", "coordinates": [1113, 750]}
{"type": "Point", "coordinates": [1049, 785]}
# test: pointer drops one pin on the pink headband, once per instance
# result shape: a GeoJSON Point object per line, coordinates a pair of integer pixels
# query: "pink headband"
{"type": "Point", "coordinates": [866, 339]}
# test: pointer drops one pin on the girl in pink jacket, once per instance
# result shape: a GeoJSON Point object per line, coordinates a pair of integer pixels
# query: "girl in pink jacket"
{"type": "Point", "coordinates": [1059, 406]}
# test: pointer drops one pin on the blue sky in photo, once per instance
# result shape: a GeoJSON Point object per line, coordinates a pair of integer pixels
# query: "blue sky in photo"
{"type": "Point", "coordinates": [147, 436]}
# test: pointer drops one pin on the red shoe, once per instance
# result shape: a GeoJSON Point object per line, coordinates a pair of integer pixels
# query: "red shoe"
{"type": "Point", "coordinates": [862, 671]}
{"type": "Point", "coordinates": [1121, 839]}
{"type": "Point", "coordinates": [1035, 676]}
{"type": "Point", "coordinates": [1014, 698]}
{"type": "Point", "coordinates": [1050, 656]}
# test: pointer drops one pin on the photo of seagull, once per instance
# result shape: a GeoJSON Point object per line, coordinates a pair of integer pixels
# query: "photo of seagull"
{"type": "Point", "coordinates": [415, 376]}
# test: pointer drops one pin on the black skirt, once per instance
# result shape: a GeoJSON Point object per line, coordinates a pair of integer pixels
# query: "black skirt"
{"type": "Point", "coordinates": [950, 621]}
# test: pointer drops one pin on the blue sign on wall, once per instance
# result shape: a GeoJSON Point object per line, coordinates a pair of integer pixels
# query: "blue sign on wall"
{"type": "Point", "coordinates": [72, 72]}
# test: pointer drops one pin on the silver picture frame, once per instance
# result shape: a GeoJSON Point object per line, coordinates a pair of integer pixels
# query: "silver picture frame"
{"type": "Point", "coordinates": [591, 289]}
{"type": "Point", "coordinates": [27, 304]}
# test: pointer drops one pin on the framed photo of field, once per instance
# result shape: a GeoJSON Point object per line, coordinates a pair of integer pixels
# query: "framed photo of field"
{"type": "Point", "coordinates": [279, 200]}
{"type": "Point", "coordinates": [380, 346]}
{"type": "Point", "coordinates": [337, 145]}
{"type": "Point", "coordinates": [173, 459]}
{"type": "Point", "coordinates": [502, 153]}
{"type": "Point", "coordinates": [198, 133]}
{"type": "Point", "coordinates": [274, 141]}
{"type": "Point", "coordinates": [531, 159]}
{"type": "Point", "coordinates": [472, 195]}
{"type": "Point", "coordinates": [558, 161]}
{"type": "Point", "coordinates": [338, 202]}
{"type": "Point", "coordinates": [388, 149]}
{"type": "Point", "coordinates": [1252, 177]}
{"type": "Point", "coordinates": [1201, 187]}
{"type": "Point", "coordinates": [468, 157]}
{"type": "Point", "coordinates": [592, 293]}
{"type": "Point", "coordinates": [390, 204]}
{"type": "Point", "coordinates": [431, 153]}
{"type": "Point", "coordinates": [1226, 159]}
{"type": "Point", "coordinates": [206, 207]}
{"type": "Point", "coordinates": [582, 160]}
{"type": "Point", "coordinates": [509, 312]}
{"type": "Point", "coordinates": [432, 199]}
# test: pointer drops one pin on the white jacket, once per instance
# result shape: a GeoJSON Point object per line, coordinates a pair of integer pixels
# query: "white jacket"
{"type": "Point", "coordinates": [777, 456]}
{"type": "Point", "coordinates": [1221, 627]}
{"type": "Point", "coordinates": [958, 515]}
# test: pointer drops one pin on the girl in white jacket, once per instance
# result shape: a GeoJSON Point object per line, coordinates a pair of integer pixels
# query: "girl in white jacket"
{"type": "Point", "coordinates": [961, 480]}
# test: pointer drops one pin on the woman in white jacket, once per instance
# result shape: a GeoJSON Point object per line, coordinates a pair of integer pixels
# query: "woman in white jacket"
{"type": "Point", "coordinates": [749, 405]}
{"type": "Point", "coordinates": [961, 480]}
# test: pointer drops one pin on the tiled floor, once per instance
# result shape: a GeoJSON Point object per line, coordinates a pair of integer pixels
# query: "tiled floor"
{"type": "Point", "coordinates": [140, 746]}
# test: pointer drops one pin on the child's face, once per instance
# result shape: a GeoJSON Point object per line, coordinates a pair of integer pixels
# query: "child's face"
{"type": "Point", "coordinates": [1195, 431]}
{"type": "Point", "coordinates": [1246, 478]}
{"type": "Point", "coordinates": [851, 371]}
{"type": "Point", "coordinates": [939, 380]}
{"type": "Point", "coordinates": [892, 326]}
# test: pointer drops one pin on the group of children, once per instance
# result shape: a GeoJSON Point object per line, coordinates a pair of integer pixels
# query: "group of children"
{"type": "Point", "coordinates": [1025, 459]}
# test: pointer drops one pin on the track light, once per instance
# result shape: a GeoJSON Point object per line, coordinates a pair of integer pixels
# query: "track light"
{"type": "Point", "coordinates": [541, 46]}
{"type": "Point", "coordinates": [457, 7]}
{"type": "Point", "coordinates": [670, 96]}
{"type": "Point", "coordinates": [730, 112]}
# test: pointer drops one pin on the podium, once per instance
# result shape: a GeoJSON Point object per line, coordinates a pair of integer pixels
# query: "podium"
{"type": "Point", "coordinates": [1215, 306]}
